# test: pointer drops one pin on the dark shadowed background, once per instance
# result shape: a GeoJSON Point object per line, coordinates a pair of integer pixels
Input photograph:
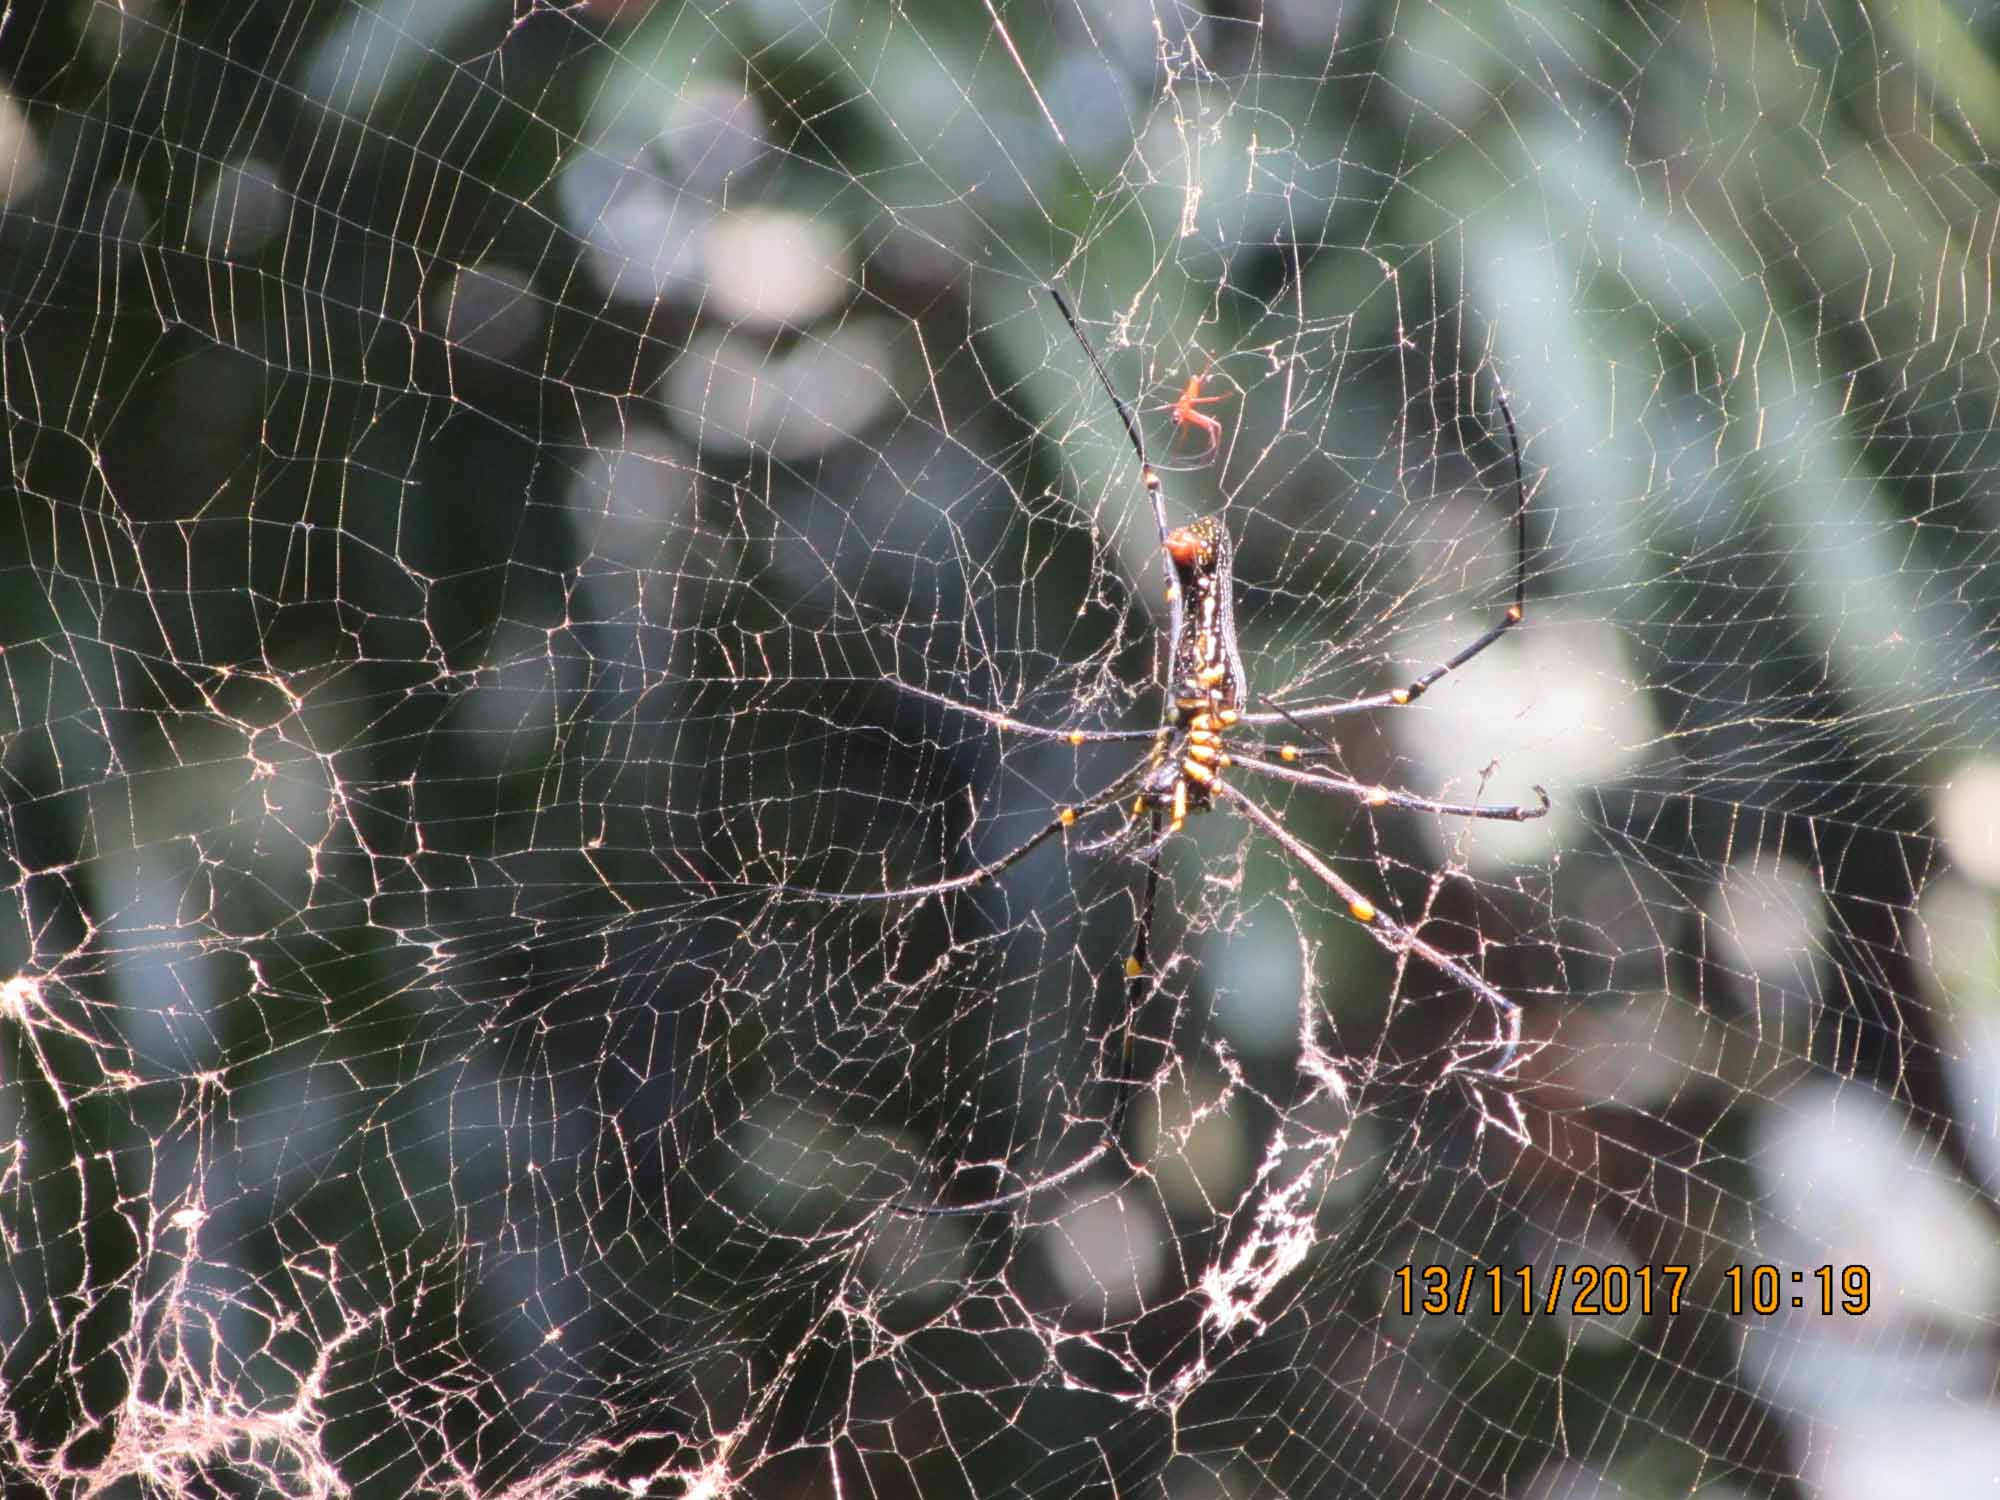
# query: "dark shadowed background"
{"type": "Point", "coordinates": [514, 506]}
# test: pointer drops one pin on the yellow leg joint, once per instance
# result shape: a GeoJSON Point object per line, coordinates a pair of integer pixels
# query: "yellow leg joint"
{"type": "Point", "coordinates": [1133, 968]}
{"type": "Point", "coordinates": [1066, 817]}
{"type": "Point", "coordinates": [1363, 911]}
{"type": "Point", "coordinates": [1400, 697]}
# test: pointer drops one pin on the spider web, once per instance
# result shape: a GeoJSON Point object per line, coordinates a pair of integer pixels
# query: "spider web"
{"type": "Point", "coordinates": [505, 500]}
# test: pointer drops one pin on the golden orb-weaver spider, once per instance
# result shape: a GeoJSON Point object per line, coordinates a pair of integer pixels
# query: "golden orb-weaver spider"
{"type": "Point", "coordinates": [1195, 749]}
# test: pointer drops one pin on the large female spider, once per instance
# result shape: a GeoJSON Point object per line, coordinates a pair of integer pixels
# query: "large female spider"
{"type": "Point", "coordinates": [1198, 747]}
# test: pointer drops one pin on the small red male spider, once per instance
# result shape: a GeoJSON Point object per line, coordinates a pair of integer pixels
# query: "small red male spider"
{"type": "Point", "coordinates": [1185, 415]}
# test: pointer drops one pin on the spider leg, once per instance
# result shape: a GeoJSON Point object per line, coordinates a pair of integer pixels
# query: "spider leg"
{"type": "Point", "coordinates": [1382, 796]}
{"type": "Point", "coordinates": [1139, 981]}
{"type": "Point", "coordinates": [1211, 428]}
{"type": "Point", "coordinates": [1160, 836]}
{"type": "Point", "coordinates": [1185, 415]}
{"type": "Point", "coordinates": [1146, 474]}
{"type": "Point", "coordinates": [1265, 718]}
{"type": "Point", "coordinates": [1066, 818]}
{"type": "Point", "coordinates": [1516, 612]}
{"type": "Point", "coordinates": [1013, 725]}
{"type": "Point", "coordinates": [1390, 933]}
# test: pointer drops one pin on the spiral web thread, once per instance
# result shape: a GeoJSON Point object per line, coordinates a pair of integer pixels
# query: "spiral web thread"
{"type": "Point", "coordinates": [512, 506]}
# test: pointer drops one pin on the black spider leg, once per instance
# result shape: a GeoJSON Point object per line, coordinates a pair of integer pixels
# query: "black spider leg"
{"type": "Point", "coordinates": [1008, 724]}
{"type": "Point", "coordinates": [1140, 985]}
{"type": "Point", "coordinates": [1402, 697]}
{"type": "Point", "coordinates": [1398, 939]}
{"type": "Point", "coordinates": [1380, 796]}
{"type": "Point", "coordinates": [1148, 476]}
{"type": "Point", "coordinates": [1067, 818]}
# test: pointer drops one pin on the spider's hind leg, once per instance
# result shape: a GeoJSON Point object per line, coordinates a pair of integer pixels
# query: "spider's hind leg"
{"type": "Point", "coordinates": [1141, 985]}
